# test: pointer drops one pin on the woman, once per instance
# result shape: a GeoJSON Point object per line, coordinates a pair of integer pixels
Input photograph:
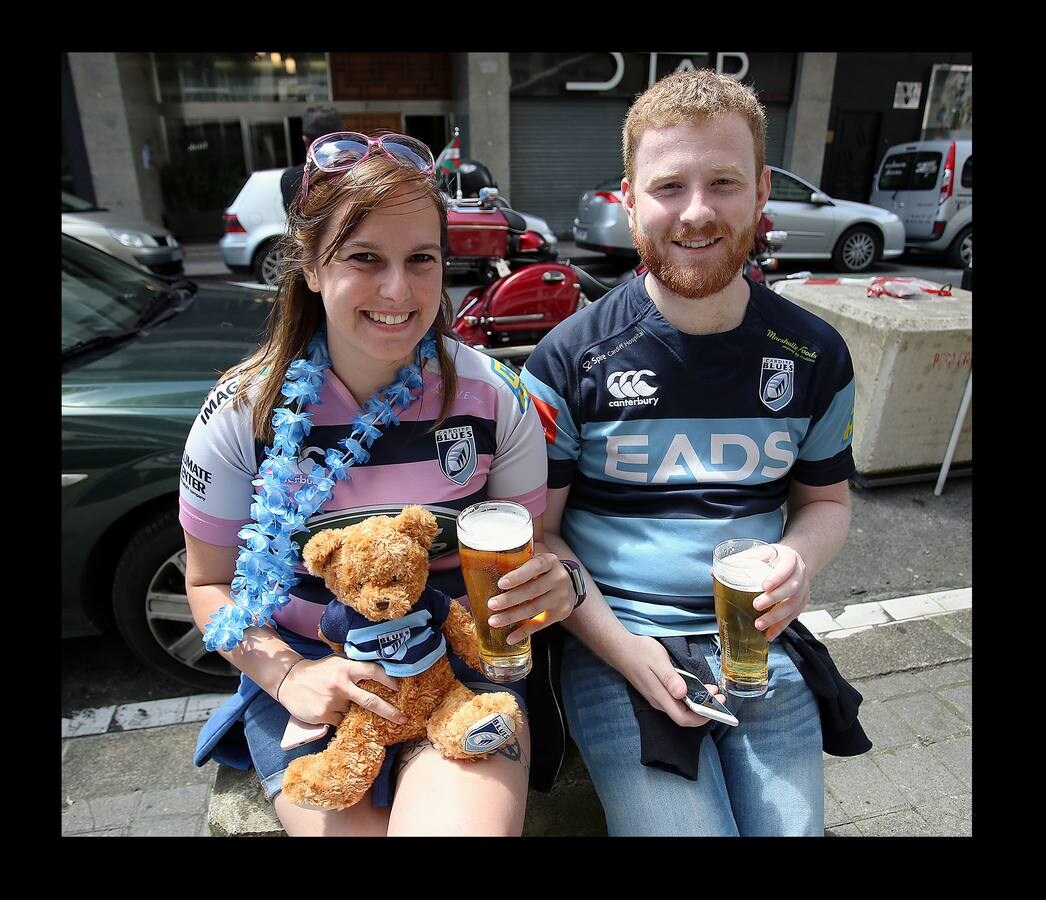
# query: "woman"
{"type": "Point", "coordinates": [361, 298]}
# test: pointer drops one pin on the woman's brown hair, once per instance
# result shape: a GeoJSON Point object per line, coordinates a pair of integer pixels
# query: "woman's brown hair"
{"type": "Point", "coordinates": [297, 311]}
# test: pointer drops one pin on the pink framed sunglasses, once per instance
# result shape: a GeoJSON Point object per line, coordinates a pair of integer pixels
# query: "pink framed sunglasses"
{"type": "Point", "coordinates": [341, 150]}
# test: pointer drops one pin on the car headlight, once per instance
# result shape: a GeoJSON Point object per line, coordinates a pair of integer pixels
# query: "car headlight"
{"type": "Point", "coordinates": [134, 239]}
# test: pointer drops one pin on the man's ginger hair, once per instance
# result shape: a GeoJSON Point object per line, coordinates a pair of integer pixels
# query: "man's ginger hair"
{"type": "Point", "coordinates": [694, 96]}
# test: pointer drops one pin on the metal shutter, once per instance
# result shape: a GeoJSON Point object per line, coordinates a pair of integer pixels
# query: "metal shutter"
{"type": "Point", "coordinates": [562, 147]}
{"type": "Point", "coordinates": [776, 130]}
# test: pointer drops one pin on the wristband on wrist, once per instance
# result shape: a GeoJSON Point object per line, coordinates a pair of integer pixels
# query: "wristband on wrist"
{"type": "Point", "coordinates": [577, 580]}
{"type": "Point", "coordinates": [285, 674]}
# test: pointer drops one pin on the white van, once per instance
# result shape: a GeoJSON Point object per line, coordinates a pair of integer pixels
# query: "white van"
{"type": "Point", "coordinates": [929, 184]}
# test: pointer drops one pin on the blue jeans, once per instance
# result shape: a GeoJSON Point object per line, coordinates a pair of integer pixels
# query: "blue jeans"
{"type": "Point", "coordinates": [764, 777]}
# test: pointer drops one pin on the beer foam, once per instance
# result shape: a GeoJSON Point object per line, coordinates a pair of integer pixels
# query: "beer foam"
{"type": "Point", "coordinates": [494, 530]}
{"type": "Point", "coordinates": [742, 572]}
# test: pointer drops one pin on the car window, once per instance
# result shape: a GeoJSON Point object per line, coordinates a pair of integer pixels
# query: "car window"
{"type": "Point", "coordinates": [100, 294]}
{"type": "Point", "coordinates": [784, 187]}
{"type": "Point", "coordinates": [910, 171]}
{"type": "Point", "coordinates": [71, 203]}
{"type": "Point", "coordinates": [966, 179]}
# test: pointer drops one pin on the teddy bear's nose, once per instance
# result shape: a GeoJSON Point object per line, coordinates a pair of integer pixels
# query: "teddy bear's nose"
{"type": "Point", "coordinates": [381, 604]}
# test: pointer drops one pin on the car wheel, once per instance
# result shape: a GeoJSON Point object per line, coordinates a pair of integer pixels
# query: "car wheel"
{"type": "Point", "coordinates": [961, 248]}
{"type": "Point", "coordinates": [856, 250]}
{"type": "Point", "coordinates": [267, 263]}
{"type": "Point", "coordinates": [152, 609]}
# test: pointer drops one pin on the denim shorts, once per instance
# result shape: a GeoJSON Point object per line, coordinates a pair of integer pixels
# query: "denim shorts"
{"type": "Point", "coordinates": [265, 721]}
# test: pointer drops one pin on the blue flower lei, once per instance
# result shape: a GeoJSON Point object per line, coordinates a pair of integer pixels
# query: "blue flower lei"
{"type": "Point", "coordinates": [265, 565]}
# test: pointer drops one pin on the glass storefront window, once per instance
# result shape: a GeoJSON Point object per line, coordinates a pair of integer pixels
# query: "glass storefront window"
{"type": "Point", "coordinates": [268, 146]}
{"type": "Point", "coordinates": [207, 168]}
{"type": "Point", "coordinates": [285, 75]}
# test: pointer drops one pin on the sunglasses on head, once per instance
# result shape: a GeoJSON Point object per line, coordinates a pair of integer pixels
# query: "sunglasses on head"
{"type": "Point", "coordinates": [340, 151]}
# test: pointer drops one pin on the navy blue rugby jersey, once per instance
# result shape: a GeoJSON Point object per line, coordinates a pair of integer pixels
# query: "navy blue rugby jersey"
{"type": "Point", "coordinates": [672, 442]}
{"type": "Point", "coordinates": [402, 647]}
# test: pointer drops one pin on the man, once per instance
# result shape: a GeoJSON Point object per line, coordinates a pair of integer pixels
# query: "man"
{"type": "Point", "coordinates": [316, 122]}
{"type": "Point", "coordinates": [665, 437]}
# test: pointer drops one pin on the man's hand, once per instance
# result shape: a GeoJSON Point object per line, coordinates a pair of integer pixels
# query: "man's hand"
{"type": "Point", "coordinates": [785, 593]}
{"type": "Point", "coordinates": [648, 667]}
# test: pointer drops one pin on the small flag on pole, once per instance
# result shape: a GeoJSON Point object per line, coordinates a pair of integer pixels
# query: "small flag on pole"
{"type": "Point", "coordinates": [450, 158]}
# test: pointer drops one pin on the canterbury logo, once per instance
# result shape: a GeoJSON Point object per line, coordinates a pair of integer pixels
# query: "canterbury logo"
{"type": "Point", "coordinates": [624, 385]}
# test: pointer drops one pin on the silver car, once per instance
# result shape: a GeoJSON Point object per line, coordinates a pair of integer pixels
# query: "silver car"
{"type": "Point", "coordinates": [852, 235]}
{"type": "Point", "coordinates": [142, 244]}
{"type": "Point", "coordinates": [256, 220]}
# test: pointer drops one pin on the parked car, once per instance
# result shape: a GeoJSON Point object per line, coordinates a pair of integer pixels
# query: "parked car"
{"type": "Point", "coordinates": [852, 235]}
{"type": "Point", "coordinates": [929, 184]}
{"type": "Point", "coordinates": [256, 220]}
{"type": "Point", "coordinates": [139, 354]}
{"type": "Point", "coordinates": [143, 244]}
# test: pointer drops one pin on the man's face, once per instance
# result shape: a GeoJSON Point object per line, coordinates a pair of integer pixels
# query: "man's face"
{"type": "Point", "coordinates": [695, 203]}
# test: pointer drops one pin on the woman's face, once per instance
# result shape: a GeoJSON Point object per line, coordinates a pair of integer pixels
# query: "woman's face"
{"type": "Point", "coordinates": [381, 290]}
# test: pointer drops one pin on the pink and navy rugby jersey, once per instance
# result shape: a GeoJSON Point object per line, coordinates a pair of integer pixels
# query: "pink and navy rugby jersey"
{"type": "Point", "coordinates": [490, 446]}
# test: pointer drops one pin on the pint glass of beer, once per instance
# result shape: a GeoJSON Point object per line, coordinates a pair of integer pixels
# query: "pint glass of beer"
{"type": "Point", "coordinates": [495, 537]}
{"type": "Point", "coordinates": [739, 569]}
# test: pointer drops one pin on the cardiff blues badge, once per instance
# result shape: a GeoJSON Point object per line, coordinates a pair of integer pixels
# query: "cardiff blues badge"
{"type": "Point", "coordinates": [393, 644]}
{"type": "Point", "coordinates": [488, 734]}
{"type": "Point", "coordinates": [456, 448]}
{"type": "Point", "coordinates": [776, 383]}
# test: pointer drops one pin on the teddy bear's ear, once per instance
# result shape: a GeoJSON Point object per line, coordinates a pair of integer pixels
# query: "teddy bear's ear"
{"type": "Point", "coordinates": [418, 523]}
{"type": "Point", "coordinates": [318, 551]}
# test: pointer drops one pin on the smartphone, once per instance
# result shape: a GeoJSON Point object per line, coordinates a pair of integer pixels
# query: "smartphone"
{"type": "Point", "coordinates": [298, 732]}
{"type": "Point", "coordinates": [702, 702]}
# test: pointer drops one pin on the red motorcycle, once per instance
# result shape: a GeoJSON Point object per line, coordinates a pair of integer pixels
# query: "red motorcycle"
{"type": "Point", "coordinates": [508, 317]}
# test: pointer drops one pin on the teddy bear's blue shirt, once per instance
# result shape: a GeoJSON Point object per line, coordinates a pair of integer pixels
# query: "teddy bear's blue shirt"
{"type": "Point", "coordinates": [406, 646]}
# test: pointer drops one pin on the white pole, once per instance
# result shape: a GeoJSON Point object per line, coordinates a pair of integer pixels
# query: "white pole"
{"type": "Point", "coordinates": [959, 419]}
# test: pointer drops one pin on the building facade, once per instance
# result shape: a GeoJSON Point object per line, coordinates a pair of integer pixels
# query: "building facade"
{"type": "Point", "coordinates": [171, 137]}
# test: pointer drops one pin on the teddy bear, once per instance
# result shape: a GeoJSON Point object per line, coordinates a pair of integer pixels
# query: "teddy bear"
{"type": "Point", "coordinates": [377, 570]}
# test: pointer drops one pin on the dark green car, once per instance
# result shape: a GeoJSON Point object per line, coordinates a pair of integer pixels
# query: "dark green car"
{"type": "Point", "coordinates": [139, 353]}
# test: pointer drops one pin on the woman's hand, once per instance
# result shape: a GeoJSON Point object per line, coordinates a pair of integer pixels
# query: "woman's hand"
{"type": "Point", "coordinates": [787, 594]}
{"type": "Point", "coordinates": [321, 690]}
{"type": "Point", "coordinates": [537, 594]}
{"type": "Point", "coordinates": [648, 667]}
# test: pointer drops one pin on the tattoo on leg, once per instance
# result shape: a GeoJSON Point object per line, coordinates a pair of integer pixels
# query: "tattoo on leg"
{"type": "Point", "coordinates": [514, 752]}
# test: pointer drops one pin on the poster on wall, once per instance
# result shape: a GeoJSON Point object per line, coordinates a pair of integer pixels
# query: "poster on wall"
{"type": "Point", "coordinates": [949, 106]}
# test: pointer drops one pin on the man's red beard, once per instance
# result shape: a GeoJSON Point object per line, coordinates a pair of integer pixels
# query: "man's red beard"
{"type": "Point", "coordinates": [702, 279]}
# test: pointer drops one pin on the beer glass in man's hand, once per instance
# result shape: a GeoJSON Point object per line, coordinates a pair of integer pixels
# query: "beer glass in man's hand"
{"type": "Point", "coordinates": [494, 538]}
{"type": "Point", "coordinates": [739, 569]}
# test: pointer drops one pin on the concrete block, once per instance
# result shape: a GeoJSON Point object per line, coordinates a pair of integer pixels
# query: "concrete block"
{"type": "Point", "coordinates": [959, 699]}
{"type": "Point", "coordinates": [949, 816]}
{"type": "Point", "coordinates": [958, 624]}
{"type": "Point", "coordinates": [114, 812]}
{"type": "Point", "coordinates": [953, 600]}
{"type": "Point", "coordinates": [151, 714]}
{"type": "Point", "coordinates": [913, 771]}
{"type": "Point", "coordinates": [106, 832]}
{"type": "Point", "coordinates": [898, 646]}
{"type": "Point", "coordinates": [200, 707]}
{"type": "Point", "coordinates": [862, 791]}
{"type": "Point", "coordinates": [927, 716]}
{"type": "Point", "coordinates": [903, 823]}
{"type": "Point", "coordinates": [191, 800]}
{"type": "Point", "coordinates": [77, 818]}
{"type": "Point", "coordinates": [956, 756]}
{"type": "Point", "coordinates": [818, 621]}
{"type": "Point", "coordinates": [883, 728]}
{"type": "Point", "coordinates": [834, 814]}
{"type": "Point", "coordinates": [165, 826]}
{"type": "Point", "coordinates": [858, 614]}
{"type": "Point", "coordinates": [945, 675]}
{"type": "Point", "coordinates": [911, 361]}
{"type": "Point", "coordinates": [846, 632]}
{"type": "Point", "coordinates": [912, 607]}
{"type": "Point", "coordinates": [238, 807]}
{"type": "Point", "coordinates": [88, 721]}
{"type": "Point", "coordinates": [897, 684]}
{"type": "Point", "coordinates": [849, 830]}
